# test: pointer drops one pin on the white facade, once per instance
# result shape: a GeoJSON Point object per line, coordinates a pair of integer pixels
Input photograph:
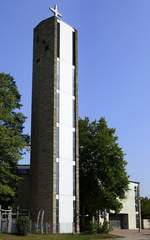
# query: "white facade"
{"type": "Point", "coordinates": [129, 214]}
{"type": "Point", "coordinates": [129, 205]}
{"type": "Point", "coordinates": [66, 128]}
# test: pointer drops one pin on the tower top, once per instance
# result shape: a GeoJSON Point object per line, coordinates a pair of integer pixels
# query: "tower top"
{"type": "Point", "coordinates": [55, 11]}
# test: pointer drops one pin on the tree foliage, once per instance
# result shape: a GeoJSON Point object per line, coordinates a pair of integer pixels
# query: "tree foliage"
{"type": "Point", "coordinates": [145, 208]}
{"type": "Point", "coordinates": [103, 176]}
{"type": "Point", "coordinates": [12, 139]}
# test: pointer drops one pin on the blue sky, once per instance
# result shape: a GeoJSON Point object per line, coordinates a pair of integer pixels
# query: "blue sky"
{"type": "Point", "coordinates": [114, 66]}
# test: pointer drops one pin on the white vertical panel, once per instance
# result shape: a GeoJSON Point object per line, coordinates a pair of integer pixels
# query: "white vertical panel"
{"type": "Point", "coordinates": [65, 131]}
{"type": "Point", "coordinates": [66, 204]}
{"type": "Point", "coordinates": [129, 206]}
{"type": "Point", "coordinates": [65, 187]}
{"type": "Point", "coordinates": [65, 42]}
{"type": "Point", "coordinates": [65, 143]}
{"type": "Point", "coordinates": [66, 109]}
{"type": "Point", "coordinates": [66, 77]}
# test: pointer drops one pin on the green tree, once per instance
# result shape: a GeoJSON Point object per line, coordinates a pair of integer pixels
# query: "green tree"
{"type": "Point", "coordinates": [12, 139]}
{"type": "Point", "coordinates": [145, 208]}
{"type": "Point", "coordinates": [103, 176]}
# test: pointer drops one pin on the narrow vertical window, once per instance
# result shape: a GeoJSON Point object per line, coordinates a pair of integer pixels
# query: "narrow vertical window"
{"type": "Point", "coordinates": [58, 40]}
{"type": "Point", "coordinates": [74, 146]}
{"type": "Point", "coordinates": [73, 81]}
{"type": "Point", "coordinates": [58, 74]}
{"type": "Point", "coordinates": [57, 107]}
{"type": "Point", "coordinates": [57, 142]}
{"type": "Point", "coordinates": [57, 177]}
{"type": "Point", "coordinates": [73, 113]}
{"type": "Point", "coordinates": [137, 220]}
{"type": "Point", "coordinates": [73, 49]}
{"type": "Point", "coordinates": [57, 215]}
{"type": "Point", "coordinates": [74, 180]}
{"type": "Point", "coordinates": [74, 211]}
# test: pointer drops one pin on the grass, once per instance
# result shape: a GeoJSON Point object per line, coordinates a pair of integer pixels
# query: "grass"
{"type": "Point", "coordinates": [57, 237]}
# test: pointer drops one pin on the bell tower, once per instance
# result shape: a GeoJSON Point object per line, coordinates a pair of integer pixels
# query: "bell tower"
{"type": "Point", "coordinates": [54, 132]}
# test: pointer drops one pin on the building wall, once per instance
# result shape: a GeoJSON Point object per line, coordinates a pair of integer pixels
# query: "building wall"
{"type": "Point", "coordinates": [54, 137]}
{"type": "Point", "coordinates": [43, 130]}
{"type": "Point", "coordinates": [129, 211]}
{"type": "Point", "coordinates": [23, 189]}
{"type": "Point", "coordinates": [129, 206]}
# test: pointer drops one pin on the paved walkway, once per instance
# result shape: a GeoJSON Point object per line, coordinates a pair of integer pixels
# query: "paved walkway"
{"type": "Point", "coordinates": [132, 234]}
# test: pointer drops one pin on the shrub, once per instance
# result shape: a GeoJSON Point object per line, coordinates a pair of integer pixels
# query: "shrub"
{"type": "Point", "coordinates": [91, 228]}
{"type": "Point", "coordinates": [103, 228]}
{"type": "Point", "coordinates": [23, 225]}
{"type": "Point", "coordinates": [98, 228]}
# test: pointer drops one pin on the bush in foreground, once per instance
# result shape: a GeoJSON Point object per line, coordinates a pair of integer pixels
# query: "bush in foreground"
{"type": "Point", "coordinates": [23, 225]}
{"type": "Point", "coordinates": [98, 228]}
{"type": "Point", "coordinates": [103, 228]}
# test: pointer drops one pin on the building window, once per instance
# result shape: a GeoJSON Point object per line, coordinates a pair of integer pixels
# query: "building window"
{"type": "Point", "coordinates": [74, 211]}
{"type": "Point", "coordinates": [136, 205]}
{"type": "Point", "coordinates": [74, 146]}
{"type": "Point", "coordinates": [57, 215]}
{"type": "Point", "coordinates": [74, 180]}
{"type": "Point", "coordinates": [137, 220]}
{"type": "Point", "coordinates": [73, 81]}
{"type": "Point", "coordinates": [57, 142]}
{"type": "Point", "coordinates": [136, 190]}
{"type": "Point", "coordinates": [23, 171]}
{"type": "Point", "coordinates": [57, 177]}
{"type": "Point", "coordinates": [58, 74]}
{"type": "Point", "coordinates": [73, 49]}
{"type": "Point", "coordinates": [57, 107]}
{"type": "Point", "coordinates": [73, 113]}
{"type": "Point", "coordinates": [58, 40]}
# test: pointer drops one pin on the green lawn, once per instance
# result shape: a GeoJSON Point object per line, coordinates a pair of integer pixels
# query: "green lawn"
{"type": "Point", "coordinates": [57, 237]}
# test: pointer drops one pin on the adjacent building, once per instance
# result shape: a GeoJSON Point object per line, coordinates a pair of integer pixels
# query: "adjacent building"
{"type": "Point", "coordinates": [130, 215]}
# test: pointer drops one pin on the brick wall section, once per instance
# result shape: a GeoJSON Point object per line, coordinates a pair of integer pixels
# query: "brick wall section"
{"type": "Point", "coordinates": [43, 120]}
{"type": "Point", "coordinates": [23, 192]}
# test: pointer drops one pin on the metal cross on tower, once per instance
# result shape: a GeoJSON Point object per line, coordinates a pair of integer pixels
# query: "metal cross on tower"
{"type": "Point", "coordinates": [55, 11]}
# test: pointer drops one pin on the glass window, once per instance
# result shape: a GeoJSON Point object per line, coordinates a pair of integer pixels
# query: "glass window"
{"type": "Point", "coordinates": [57, 107]}
{"type": "Point", "coordinates": [57, 177]}
{"type": "Point", "coordinates": [58, 40]}
{"type": "Point", "coordinates": [74, 146]}
{"type": "Point", "coordinates": [73, 81]}
{"type": "Point", "coordinates": [136, 206]}
{"type": "Point", "coordinates": [73, 48]}
{"type": "Point", "coordinates": [58, 74]}
{"type": "Point", "coordinates": [136, 191]}
{"type": "Point", "coordinates": [57, 215]}
{"type": "Point", "coordinates": [74, 180]}
{"type": "Point", "coordinates": [73, 113]}
{"type": "Point", "coordinates": [23, 171]}
{"type": "Point", "coordinates": [137, 220]}
{"type": "Point", "coordinates": [57, 142]}
{"type": "Point", "coordinates": [74, 211]}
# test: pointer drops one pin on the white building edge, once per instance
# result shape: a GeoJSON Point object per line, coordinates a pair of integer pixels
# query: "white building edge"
{"type": "Point", "coordinates": [130, 215]}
